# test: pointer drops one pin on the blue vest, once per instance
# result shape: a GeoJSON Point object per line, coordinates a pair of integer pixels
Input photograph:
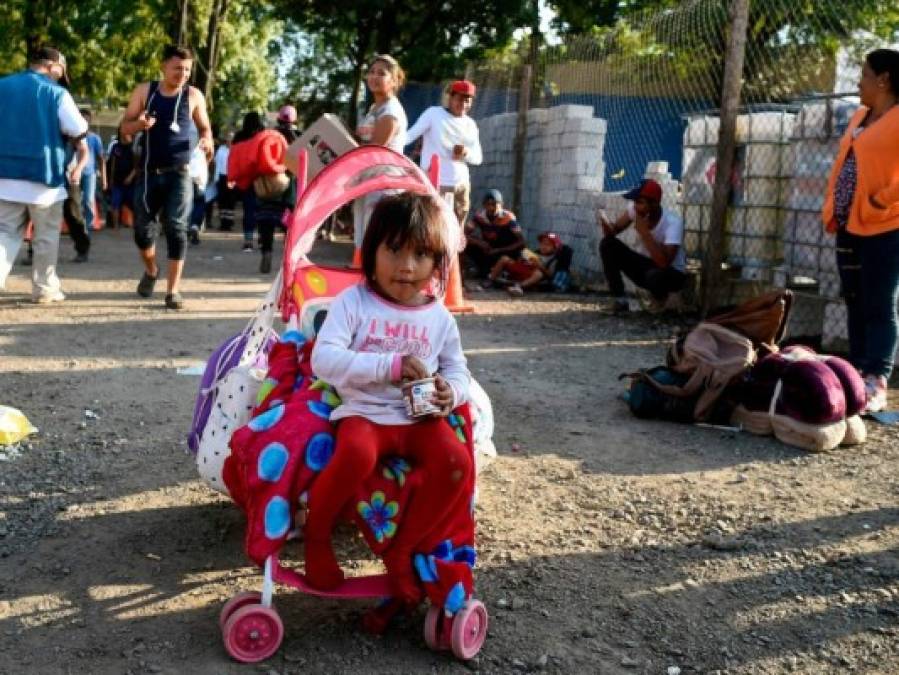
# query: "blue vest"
{"type": "Point", "coordinates": [31, 144]}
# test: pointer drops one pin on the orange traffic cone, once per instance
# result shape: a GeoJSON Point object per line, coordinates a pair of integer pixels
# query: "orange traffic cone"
{"type": "Point", "coordinates": [455, 300]}
{"type": "Point", "coordinates": [357, 259]}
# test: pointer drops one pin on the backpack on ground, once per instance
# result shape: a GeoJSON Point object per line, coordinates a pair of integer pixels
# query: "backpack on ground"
{"type": "Point", "coordinates": [228, 389]}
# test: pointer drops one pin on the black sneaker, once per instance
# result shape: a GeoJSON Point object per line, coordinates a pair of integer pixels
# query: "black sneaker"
{"type": "Point", "coordinates": [265, 265]}
{"type": "Point", "coordinates": [80, 258]}
{"type": "Point", "coordinates": [194, 235]}
{"type": "Point", "coordinates": [146, 285]}
{"type": "Point", "coordinates": [174, 301]}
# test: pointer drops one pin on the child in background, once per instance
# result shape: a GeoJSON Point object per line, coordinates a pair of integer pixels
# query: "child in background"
{"type": "Point", "coordinates": [378, 334]}
{"type": "Point", "coordinates": [529, 269]}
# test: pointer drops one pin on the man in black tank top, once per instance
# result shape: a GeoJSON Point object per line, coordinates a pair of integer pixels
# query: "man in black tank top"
{"type": "Point", "coordinates": [162, 113]}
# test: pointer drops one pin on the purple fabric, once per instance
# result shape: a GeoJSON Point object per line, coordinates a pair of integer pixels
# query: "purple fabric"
{"type": "Point", "coordinates": [852, 383]}
{"type": "Point", "coordinates": [812, 393]}
{"type": "Point", "coordinates": [216, 368]}
{"type": "Point", "coordinates": [813, 389]}
{"type": "Point", "coordinates": [756, 390]}
{"type": "Point", "coordinates": [219, 364]}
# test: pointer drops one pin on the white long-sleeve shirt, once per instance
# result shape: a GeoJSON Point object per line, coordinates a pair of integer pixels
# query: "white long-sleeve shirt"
{"type": "Point", "coordinates": [360, 347]}
{"type": "Point", "coordinates": [440, 131]}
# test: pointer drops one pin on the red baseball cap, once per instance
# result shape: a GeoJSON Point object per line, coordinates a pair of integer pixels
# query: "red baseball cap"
{"type": "Point", "coordinates": [463, 87]}
{"type": "Point", "coordinates": [551, 237]}
{"type": "Point", "coordinates": [647, 189]}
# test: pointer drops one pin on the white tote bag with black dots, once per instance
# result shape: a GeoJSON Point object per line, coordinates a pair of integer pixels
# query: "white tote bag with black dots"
{"type": "Point", "coordinates": [234, 395]}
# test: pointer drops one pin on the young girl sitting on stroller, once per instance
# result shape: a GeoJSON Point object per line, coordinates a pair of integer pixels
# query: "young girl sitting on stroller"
{"type": "Point", "coordinates": [379, 333]}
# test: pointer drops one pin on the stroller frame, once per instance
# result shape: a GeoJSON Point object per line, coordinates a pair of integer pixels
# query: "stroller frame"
{"type": "Point", "coordinates": [251, 628]}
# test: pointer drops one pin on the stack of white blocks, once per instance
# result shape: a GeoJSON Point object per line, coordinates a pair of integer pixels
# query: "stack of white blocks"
{"type": "Point", "coordinates": [808, 249]}
{"type": "Point", "coordinates": [563, 175]}
{"type": "Point", "coordinates": [753, 230]}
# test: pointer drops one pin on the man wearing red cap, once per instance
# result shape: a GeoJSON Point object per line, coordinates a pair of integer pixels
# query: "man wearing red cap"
{"type": "Point", "coordinates": [659, 267]}
{"type": "Point", "coordinates": [450, 134]}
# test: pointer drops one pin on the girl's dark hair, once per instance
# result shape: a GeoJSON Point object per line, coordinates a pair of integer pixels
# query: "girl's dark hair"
{"type": "Point", "coordinates": [885, 61]}
{"type": "Point", "coordinates": [252, 125]}
{"type": "Point", "coordinates": [406, 218]}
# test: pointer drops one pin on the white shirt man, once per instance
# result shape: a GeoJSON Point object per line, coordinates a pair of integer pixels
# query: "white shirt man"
{"type": "Point", "coordinates": [451, 135]}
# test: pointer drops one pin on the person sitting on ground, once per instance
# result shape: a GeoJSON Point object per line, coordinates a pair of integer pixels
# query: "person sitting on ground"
{"type": "Point", "coordinates": [660, 234]}
{"type": "Point", "coordinates": [498, 234]}
{"type": "Point", "coordinates": [530, 269]}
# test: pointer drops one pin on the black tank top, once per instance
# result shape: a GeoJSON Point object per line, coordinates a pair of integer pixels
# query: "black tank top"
{"type": "Point", "coordinates": [167, 141]}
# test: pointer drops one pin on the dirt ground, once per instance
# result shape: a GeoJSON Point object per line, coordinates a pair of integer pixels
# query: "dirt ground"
{"type": "Point", "coordinates": [606, 544]}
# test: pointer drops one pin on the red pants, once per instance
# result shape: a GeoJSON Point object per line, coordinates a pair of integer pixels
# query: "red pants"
{"type": "Point", "coordinates": [445, 465]}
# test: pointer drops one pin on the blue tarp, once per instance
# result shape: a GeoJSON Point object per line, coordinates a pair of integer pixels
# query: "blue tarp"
{"type": "Point", "coordinates": [640, 129]}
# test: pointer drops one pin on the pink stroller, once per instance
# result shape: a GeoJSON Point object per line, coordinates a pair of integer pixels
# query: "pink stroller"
{"type": "Point", "coordinates": [270, 480]}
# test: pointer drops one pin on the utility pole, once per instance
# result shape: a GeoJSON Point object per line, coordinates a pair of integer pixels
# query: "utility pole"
{"type": "Point", "coordinates": [730, 103]}
{"type": "Point", "coordinates": [524, 103]}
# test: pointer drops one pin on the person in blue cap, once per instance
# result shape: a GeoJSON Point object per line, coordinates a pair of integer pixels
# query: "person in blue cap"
{"type": "Point", "coordinates": [492, 234]}
{"type": "Point", "coordinates": [659, 264]}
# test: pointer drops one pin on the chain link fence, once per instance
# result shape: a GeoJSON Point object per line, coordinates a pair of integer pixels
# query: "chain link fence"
{"type": "Point", "coordinates": [565, 133]}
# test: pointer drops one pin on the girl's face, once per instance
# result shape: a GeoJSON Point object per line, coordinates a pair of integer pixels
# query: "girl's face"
{"type": "Point", "coordinates": [379, 79]}
{"type": "Point", "coordinates": [401, 273]}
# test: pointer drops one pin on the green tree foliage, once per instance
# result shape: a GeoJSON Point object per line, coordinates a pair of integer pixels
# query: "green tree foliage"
{"type": "Point", "coordinates": [791, 44]}
{"type": "Point", "coordinates": [432, 40]}
{"type": "Point", "coordinates": [579, 17]}
{"type": "Point", "coordinates": [111, 45]}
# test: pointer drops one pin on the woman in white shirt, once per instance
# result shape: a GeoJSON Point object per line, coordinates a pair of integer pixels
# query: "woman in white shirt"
{"type": "Point", "coordinates": [384, 124]}
{"type": "Point", "coordinates": [450, 134]}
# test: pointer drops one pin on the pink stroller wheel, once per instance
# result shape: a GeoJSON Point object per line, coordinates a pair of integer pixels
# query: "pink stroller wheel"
{"type": "Point", "coordinates": [253, 633]}
{"type": "Point", "coordinates": [433, 620]}
{"type": "Point", "coordinates": [469, 630]}
{"type": "Point", "coordinates": [235, 603]}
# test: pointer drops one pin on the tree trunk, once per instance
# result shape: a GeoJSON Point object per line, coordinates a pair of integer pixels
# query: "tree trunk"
{"type": "Point", "coordinates": [209, 56]}
{"type": "Point", "coordinates": [183, 31]}
{"type": "Point", "coordinates": [521, 137]}
{"type": "Point", "coordinates": [730, 102]}
{"type": "Point", "coordinates": [360, 57]}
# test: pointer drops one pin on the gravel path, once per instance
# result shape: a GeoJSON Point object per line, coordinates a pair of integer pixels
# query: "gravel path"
{"type": "Point", "coordinates": [606, 544]}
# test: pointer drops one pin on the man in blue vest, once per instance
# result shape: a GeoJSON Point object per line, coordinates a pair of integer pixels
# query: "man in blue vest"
{"type": "Point", "coordinates": [37, 118]}
{"type": "Point", "coordinates": [163, 111]}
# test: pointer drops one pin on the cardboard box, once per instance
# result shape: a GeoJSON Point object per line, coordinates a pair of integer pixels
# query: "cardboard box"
{"type": "Point", "coordinates": [324, 141]}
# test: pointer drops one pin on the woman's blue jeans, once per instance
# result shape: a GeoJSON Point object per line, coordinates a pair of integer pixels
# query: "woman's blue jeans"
{"type": "Point", "coordinates": [869, 274]}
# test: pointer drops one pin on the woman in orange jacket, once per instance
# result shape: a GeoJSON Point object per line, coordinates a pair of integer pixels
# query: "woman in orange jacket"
{"type": "Point", "coordinates": [862, 208]}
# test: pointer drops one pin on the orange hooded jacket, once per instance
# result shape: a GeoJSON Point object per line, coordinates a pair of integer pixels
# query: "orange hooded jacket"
{"type": "Point", "coordinates": [877, 157]}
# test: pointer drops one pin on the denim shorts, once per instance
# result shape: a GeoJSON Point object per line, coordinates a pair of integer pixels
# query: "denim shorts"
{"type": "Point", "coordinates": [163, 200]}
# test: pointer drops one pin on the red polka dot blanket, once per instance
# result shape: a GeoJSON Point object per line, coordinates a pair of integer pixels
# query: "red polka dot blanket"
{"type": "Point", "coordinates": [277, 455]}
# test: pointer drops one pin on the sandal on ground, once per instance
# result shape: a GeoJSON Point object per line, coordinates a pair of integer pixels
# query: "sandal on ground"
{"type": "Point", "coordinates": [174, 301]}
{"type": "Point", "coordinates": [146, 285]}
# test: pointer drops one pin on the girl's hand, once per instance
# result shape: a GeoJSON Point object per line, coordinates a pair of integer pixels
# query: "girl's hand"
{"type": "Point", "coordinates": [443, 396]}
{"type": "Point", "coordinates": [413, 369]}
